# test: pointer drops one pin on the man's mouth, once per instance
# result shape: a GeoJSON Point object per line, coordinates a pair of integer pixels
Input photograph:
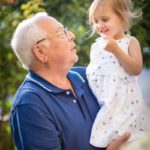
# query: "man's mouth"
{"type": "Point", "coordinates": [74, 48]}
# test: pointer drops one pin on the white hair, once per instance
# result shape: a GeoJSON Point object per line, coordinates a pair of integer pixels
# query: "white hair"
{"type": "Point", "coordinates": [25, 36]}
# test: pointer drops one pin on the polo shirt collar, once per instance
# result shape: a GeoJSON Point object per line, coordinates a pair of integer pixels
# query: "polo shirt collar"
{"type": "Point", "coordinates": [77, 82]}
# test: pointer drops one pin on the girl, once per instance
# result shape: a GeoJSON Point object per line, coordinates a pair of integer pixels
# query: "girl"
{"type": "Point", "coordinates": [115, 61]}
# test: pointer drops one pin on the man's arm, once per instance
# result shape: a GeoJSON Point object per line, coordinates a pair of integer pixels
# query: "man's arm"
{"type": "Point", "coordinates": [33, 128]}
{"type": "Point", "coordinates": [116, 144]}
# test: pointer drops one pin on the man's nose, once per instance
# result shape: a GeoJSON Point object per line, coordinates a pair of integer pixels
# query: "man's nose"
{"type": "Point", "coordinates": [71, 35]}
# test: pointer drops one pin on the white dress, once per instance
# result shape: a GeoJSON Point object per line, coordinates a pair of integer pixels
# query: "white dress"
{"type": "Point", "coordinates": [118, 92]}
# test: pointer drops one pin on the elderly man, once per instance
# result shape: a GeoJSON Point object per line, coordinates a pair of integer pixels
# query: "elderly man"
{"type": "Point", "coordinates": [54, 108]}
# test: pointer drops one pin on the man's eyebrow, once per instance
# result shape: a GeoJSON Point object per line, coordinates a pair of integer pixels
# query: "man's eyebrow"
{"type": "Point", "coordinates": [60, 28]}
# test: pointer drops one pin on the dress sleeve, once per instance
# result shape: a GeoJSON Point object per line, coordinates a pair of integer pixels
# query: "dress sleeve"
{"type": "Point", "coordinates": [33, 128]}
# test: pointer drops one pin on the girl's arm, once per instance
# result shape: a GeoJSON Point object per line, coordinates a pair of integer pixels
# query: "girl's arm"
{"type": "Point", "coordinates": [133, 62]}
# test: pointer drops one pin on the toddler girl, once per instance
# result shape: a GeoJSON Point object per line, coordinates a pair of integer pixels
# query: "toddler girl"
{"type": "Point", "coordinates": [115, 62]}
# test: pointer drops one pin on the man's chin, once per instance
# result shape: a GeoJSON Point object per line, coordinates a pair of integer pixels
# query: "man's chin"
{"type": "Point", "coordinates": [75, 60]}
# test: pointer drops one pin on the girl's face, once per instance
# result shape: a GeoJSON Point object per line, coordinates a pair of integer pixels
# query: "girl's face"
{"type": "Point", "coordinates": [107, 23]}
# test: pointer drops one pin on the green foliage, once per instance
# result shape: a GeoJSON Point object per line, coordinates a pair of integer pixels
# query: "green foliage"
{"type": "Point", "coordinates": [9, 65]}
{"type": "Point", "coordinates": [74, 15]}
{"type": "Point", "coordinates": [11, 73]}
{"type": "Point", "coordinates": [142, 28]}
{"type": "Point", "coordinates": [31, 8]}
{"type": "Point", "coordinates": [5, 138]}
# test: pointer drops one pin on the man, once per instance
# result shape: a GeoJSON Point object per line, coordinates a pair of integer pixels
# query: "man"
{"type": "Point", "coordinates": [54, 108]}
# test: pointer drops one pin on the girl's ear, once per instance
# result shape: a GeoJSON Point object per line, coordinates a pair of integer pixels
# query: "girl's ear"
{"type": "Point", "coordinates": [126, 14]}
{"type": "Point", "coordinates": [39, 53]}
{"type": "Point", "coordinates": [126, 22]}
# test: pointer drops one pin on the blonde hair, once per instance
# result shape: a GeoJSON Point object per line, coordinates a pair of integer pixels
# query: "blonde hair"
{"type": "Point", "coordinates": [120, 7]}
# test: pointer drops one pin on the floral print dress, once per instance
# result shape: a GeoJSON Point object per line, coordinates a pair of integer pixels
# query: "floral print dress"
{"type": "Point", "coordinates": [117, 92]}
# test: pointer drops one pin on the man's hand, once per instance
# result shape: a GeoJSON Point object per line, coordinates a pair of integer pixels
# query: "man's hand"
{"type": "Point", "coordinates": [116, 144]}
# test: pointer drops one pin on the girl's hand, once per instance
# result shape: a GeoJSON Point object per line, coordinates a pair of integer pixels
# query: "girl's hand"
{"type": "Point", "coordinates": [111, 45]}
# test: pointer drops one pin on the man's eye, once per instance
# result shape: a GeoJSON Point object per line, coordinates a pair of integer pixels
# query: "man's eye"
{"type": "Point", "coordinates": [61, 33]}
{"type": "Point", "coordinates": [105, 19]}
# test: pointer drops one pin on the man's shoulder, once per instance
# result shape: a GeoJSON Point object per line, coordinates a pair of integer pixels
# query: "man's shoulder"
{"type": "Point", "coordinates": [80, 72]}
{"type": "Point", "coordinates": [27, 93]}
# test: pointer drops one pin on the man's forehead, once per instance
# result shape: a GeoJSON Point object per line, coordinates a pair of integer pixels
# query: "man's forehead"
{"type": "Point", "coordinates": [47, 20]}
{"type": "Point", "coordinates": [59, 25]}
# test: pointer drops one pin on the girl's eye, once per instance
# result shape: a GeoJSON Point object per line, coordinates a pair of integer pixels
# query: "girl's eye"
{"type": "Point", "coordinates": [96, 21]}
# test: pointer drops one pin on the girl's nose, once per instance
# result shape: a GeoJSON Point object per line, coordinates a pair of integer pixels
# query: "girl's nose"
{"type": "Point", "coordinates": [100, 25]}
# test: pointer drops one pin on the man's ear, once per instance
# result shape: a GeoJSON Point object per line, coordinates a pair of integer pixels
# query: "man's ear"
{"type": "Point", "coordinates": [39, 53]}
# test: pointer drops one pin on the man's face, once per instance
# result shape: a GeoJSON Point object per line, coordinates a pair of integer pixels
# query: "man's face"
{"type": "Point", "coordinates": [60, 49]}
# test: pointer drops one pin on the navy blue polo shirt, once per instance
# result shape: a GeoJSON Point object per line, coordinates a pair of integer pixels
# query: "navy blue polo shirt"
{"type": "Point", "coordinates": [44, 117]}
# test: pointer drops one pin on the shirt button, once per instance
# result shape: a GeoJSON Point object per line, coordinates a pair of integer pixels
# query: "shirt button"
{"type": "Point", "coordinates": [68, 92]}
{"type": "Point", "coordinates": [74, 100]}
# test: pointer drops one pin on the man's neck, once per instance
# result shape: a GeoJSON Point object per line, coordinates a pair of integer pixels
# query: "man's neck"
{"type": "Point", "coordinates": [56, 77]}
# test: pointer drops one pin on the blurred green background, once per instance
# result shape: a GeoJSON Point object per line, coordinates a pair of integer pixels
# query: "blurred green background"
{"type": "Point", "coordinates": [73, 14]}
